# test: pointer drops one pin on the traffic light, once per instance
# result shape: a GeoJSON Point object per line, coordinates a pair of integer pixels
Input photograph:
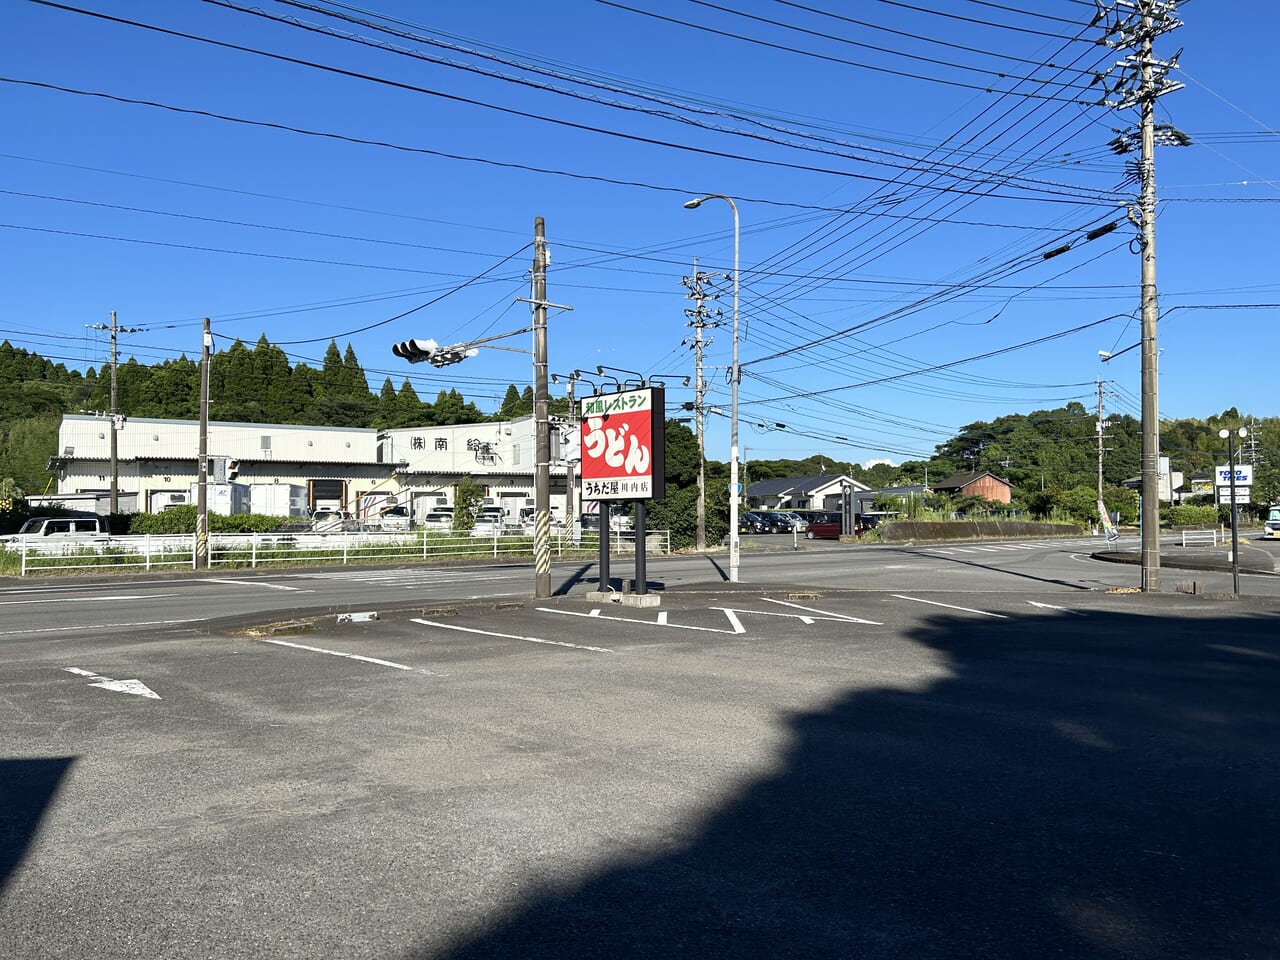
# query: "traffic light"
{"type": "Point", "coordinates": [415, 351]}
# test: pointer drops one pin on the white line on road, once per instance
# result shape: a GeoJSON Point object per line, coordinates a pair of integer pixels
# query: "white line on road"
{"type": "Point", "coordinates": [243, 583]}
{"type": "Point", "coordinates": [335, 653]}
{"type": "Point", "coordinates": [139, 596]}
{"type": "Point", "coordinates": [597, 615]}
{"type": "Point", "coordinates": [97, 626]}
{"type": "Point", "coordinates": [1050, 606]}
{"type": "Point", "coordinates": [512, 636]}
{"type": "Point", "coordinates": [935, 603]}
{"type": "Point", "coordinates": [823, 613]}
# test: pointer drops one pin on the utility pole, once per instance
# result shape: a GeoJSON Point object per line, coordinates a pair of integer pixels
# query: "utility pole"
{"type": "Point", "coordinates": [202, 457]}
{"type": "Point", "coordinates": [117, 422]}
{"type": "Point", "coordinates": [1101, 425]}
{"type": "Point", "coordinates": [1132, 26]}
{"type": "Point", "coordinates": [541, 424]}
{"type": "Point", "coordinates": [700, 318]}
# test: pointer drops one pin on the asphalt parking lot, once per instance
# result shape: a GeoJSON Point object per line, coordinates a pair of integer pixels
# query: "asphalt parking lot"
{"type": "Point", "coordinates": [746, 772]}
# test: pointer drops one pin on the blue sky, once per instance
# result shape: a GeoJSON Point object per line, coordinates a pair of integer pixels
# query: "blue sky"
{"type": "Point", "coordinates": [899, 168]}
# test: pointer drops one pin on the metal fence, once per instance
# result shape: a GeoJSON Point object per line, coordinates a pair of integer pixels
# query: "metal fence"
{"type": "Point", "coordinates": [252, 550]}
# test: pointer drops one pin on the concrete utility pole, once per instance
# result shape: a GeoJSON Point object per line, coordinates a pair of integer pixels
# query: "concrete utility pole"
{"type": "Point", "coordinates": [1142, 79]}
{"type": "Point", "coordinates": [202, 456]}
{"type": "Point", "coordinates": [542, 431]}
{"type": "Point", "coordinates": [1102, 425]}
{"type": "Point", "coordinates": [117, 422]}
{"type": "Point", "coordinates": [700, 319]}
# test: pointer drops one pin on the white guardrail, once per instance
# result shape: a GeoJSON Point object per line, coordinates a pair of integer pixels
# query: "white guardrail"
{"type": "Point", "coordinates": [153, 551]}
{"type": "Point", "coordinates": [1193, 537]}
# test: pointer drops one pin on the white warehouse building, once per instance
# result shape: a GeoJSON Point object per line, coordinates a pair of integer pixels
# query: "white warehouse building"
{"type": "Point", "coordinates": [293, 470]}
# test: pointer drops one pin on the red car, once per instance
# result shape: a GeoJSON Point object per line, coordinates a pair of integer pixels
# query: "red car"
{"type": "Point", "coordinates": [825, 526]}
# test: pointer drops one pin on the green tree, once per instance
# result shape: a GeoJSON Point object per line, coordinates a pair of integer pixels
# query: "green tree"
{"type": "Point", "coordinates": [468, 499]}
{"type": "Point", "coordinates": [387, 406]}
{"type": "Point", "coordinates": [410, 411]}
{"type": "Point", "coordinates": [510, 403]}
{"type": "Point", "coordinates": [25, 448]}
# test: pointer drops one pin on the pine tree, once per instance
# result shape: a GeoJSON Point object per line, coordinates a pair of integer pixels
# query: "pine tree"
{"type": "Point", "coordinates": [510, 403]}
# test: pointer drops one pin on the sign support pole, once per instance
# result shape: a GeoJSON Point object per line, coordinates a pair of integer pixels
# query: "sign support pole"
{"type": "Point", "coordinates": [642, 573]}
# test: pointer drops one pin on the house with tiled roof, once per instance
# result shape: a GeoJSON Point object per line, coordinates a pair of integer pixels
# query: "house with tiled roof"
{"type": "Point", "coordinates": [822, 492]}
{"type": "Point", "coordinates": [981, 483]}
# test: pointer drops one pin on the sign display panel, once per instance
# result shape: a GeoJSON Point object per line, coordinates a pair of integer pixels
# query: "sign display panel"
{"type": "Point", "coordinates": [1243, 472]}
{"type": "Point", "coordinates": [623, 451]}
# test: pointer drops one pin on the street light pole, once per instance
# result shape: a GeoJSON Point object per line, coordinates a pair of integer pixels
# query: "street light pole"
{"type": "Point", "coordinates": [734, 376]}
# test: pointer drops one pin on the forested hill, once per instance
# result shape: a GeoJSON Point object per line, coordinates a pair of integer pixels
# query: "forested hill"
{"type": "Point", "coordinates": [247, 385]}
{"type": "Point", "coordinates": [1035, 451]}
{"type": "Point", "coordinates": [256, 385]}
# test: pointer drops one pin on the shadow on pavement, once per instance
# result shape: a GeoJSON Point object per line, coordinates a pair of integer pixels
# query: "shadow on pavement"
{"type": "Point", "coordinates": [27, 788]}
{"type": "Point", "coordinates": [1101, 787]}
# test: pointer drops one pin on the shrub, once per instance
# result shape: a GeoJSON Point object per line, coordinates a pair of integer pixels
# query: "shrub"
{"type": "Point", "coordinates": [1188, 516]}
{"type": "Point", "coordinates": [182, 519]}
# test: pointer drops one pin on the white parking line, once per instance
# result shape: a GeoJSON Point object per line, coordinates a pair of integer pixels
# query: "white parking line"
{"type": "Point", "coordinates": [935, 603]}
{"type": "Point", "coordinates": [823, 614]}
{"type": "Point", "coordinates": [660, 622]}
{"type": "Point", "coordinates": [335, 653]}
{"type": "Point", "coordinates": [512, 636]}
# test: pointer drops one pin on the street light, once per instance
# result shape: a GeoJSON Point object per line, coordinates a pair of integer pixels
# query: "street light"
{"type": "Point", "coordinates": [734, 375]}
{"type": "Point", "coordinates": [1230, 437]}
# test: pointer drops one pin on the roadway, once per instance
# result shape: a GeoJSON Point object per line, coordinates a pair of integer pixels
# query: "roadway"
{"type": "Point", "coordinates": [42, 608]}
{"type": "Point", "coordinates": [931, 751]}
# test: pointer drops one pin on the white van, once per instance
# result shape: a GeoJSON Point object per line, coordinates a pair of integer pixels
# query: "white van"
{"type": "Point", "coordinates": [42, 530]}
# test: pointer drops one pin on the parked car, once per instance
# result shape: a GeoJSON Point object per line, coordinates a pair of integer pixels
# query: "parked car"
{"type": "Point", "coordinates": [331, 521]}
{"type": "Point", "coordinates": [525, 520]}
{"type": "Point", "coordinates": [489, 522]}
{"type": "Point", "coordinates": [825, 526]}
{"type": "Point", "coordinates": [774, 521]}
{"type": "Point", "coordinates": [798, 523]}
{"type": "Point", "coordinates": [750, 522]}
{"type": "Point", "coordinates": [439, 519]}
{"type": "Point", "coordinates": [41, 530]}
{"type": "Point", "coordinates": [392, 519]}
{"type": "Point", "coordinates": [618, 521]}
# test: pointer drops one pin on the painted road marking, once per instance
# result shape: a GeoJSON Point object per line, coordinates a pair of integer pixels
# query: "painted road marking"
{"type": "Point", "coordinates": [96, 626]}
{"type": "Point", "coordinates": [123, 596]}
{"type": "Point", "coordinates": [1050, 606]}
{"type": "Point", "coordinates": [661, 622]}
{"type": "Point", "coordinates": [824, 614]}
{"type": "Point", "coordinates": [512, 636]}
{"type": "Point", "coordinates": [335, 653]}
{"type": "Point", "coordinates": [244, 583]}
{"type": "Point", "coordinates": [935, 603]}
{"type": "Point", "coordinates": [135, 687]}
